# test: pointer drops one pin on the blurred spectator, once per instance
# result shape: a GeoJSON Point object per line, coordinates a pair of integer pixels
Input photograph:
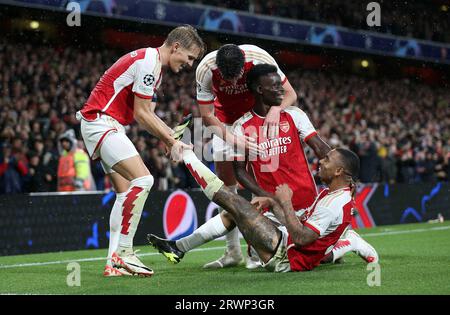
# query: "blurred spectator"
{"type": "Point", "coordinates": [388, 121]}
{"type": "Point", "coordinates": [40, 178]}
{"type": "Point", "coordinates": [74, 171]}
{"type": "Point", "coordinates": [12, 170]}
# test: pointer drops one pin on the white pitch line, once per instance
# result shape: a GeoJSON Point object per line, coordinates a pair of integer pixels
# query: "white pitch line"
{"type": "Point", "coordinates": [440, 228]}
{"type": "Point", "coordinates": [94, 259]}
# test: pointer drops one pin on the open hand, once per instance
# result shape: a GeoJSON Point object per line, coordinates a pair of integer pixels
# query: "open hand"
{"type": "Point", "coordinates": [176, 151]}
{"type": "Point", "coordinates": [271, 123]}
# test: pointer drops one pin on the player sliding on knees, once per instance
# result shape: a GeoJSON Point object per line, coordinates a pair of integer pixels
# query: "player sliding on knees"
{"type": "Point", "coordinates": [126, 93]}
{"type": "Point", "coordinates": [284, 242]}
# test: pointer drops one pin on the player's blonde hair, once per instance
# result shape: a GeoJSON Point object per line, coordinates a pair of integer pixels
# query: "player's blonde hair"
{"type": "Point", "coordinates": [187, 36]}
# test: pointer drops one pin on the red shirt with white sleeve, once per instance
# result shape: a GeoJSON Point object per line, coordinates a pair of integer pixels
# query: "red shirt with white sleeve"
{"type": "Point", "coordinates": [284, 160]}
{"type": "Point", "coordinates": [329, 215]}
{"type": "Point", "coordinates": [136, 73]}
{"type": "Point", "coordinates": [230, 101]}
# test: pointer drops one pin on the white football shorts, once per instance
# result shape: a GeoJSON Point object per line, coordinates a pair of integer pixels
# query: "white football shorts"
{"type": "Point", "coordinates": [279, 262]}
{"type": "Point", "coordinates": [105, 139]}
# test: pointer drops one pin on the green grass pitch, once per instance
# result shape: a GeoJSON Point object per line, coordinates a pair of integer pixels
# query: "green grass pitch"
{"type": "Point", "coordinates": [414, 259]}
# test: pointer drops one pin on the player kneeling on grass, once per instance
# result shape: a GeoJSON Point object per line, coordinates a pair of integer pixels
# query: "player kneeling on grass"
{"type": "Point", "coordinates": [282, 240]}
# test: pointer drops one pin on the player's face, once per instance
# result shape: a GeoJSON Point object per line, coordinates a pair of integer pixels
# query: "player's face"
{"type": "Point", "coordinates": [328, 166]}
{"type": "Point", "coordinates": [182, 57]}
{"type": "Point", "coordinates": [272, 90]}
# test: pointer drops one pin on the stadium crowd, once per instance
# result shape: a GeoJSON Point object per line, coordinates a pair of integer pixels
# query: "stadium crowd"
{"type": "Point", "coordinates": [417, 19]}
{"type": "Point", "coordinates": [400, 129]}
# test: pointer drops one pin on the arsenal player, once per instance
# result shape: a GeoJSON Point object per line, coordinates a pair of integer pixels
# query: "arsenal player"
{"type": "Point", "coordinates": [284, 239]}
{"type": "Point", "coordinates": [124, 94]}
{"type": "Point", "coordinates": [223, 97]}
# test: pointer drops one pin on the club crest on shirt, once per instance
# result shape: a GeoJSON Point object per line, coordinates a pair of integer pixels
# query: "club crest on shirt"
{"type": "Point", "coordinates": [284, 126]}
{"type": "Point", "coordinates": [149, 79]}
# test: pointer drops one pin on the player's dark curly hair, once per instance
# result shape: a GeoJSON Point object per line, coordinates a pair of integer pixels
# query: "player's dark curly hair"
{"type": "Point", "coordinates": [351, 164]}
{"type": "Point", "coordinates": [230, 61]}
{"type": "Point", "coordinates": [257, 72]}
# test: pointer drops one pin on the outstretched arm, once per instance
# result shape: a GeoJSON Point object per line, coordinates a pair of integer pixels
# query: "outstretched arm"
{"type": "Point", "coordinates": [150, 122]}
{"type": "Point", "coordinates": [161, 122]}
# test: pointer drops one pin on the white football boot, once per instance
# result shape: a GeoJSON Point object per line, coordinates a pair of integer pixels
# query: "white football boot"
{"type": "Point", "coordinates": [252, 261]}
{"type": "Point", "coordinates": [229, 259]}
{"type": "Point", "coordinates": [125, 258]}
{"type": "Point", "coordinates": [111, 271]}
{"type": "Point", "coordinates": [361, 247]}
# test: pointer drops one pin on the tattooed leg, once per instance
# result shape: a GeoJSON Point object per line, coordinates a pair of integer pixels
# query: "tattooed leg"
{"type": "Point", "coordinates": [258, 230]}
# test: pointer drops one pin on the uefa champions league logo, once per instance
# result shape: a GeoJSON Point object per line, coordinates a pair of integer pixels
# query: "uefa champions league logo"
{"type": "Point", "coordinates": [148, 79]}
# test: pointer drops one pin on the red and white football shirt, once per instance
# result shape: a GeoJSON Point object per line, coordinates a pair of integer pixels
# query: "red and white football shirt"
{"type": "Point", "coordinates": [136, 73]}
{"type": "Point", "coordinates": [230, 101]}
{"type": "Point", "coordinates": [329, 215]}
{"type": "Point", "coordinates": [284, 161]}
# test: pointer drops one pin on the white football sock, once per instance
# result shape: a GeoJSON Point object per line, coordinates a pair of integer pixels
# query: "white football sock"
{"type": "Point", "coordinates": [114, 225]}
{"type": "Point", "coordinates": [342, 247]}
{"type": "Point", "coordinates": [210, 230]}
{"type": "Point", "coordinates": [207, 180]}
{"type": "Point", "coordinates": [132, 207]}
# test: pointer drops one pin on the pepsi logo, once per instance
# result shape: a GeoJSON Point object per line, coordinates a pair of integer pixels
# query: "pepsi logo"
{"type": "Point", "coordinates": [180, 215]}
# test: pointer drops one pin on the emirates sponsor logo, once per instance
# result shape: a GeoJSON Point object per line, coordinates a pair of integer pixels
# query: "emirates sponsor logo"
{"type": "Point", "coordinates": [275, 146]}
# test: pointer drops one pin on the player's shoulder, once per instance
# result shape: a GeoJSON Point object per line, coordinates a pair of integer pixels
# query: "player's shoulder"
{"type": "Point", "coordinates": [294, 112]}
{"type": "Point", "coordinates": [208, 62]}
{"type": "Point", "coordinates": [335, 201]}
{"type": "Point", "coordinates": [203, 73]}
{"type": "Point", "coordinates": [253, 52]}
{"type": "Point", "coordinates": [252, 48]}
{"type": "Point", "coordinates": [243, 119]}
{"type": "Point", "coordinates": [140, 53]}
{"type": "Point", "coordinates": [147, 56]}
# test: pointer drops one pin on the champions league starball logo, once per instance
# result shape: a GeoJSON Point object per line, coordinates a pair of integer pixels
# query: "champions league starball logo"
{"type": "Point", "coordinates": [324, 35]}
{"type": "Point", "coordinates": [149, 79]}
{"type": "Point", "coordinates": [217, 20]}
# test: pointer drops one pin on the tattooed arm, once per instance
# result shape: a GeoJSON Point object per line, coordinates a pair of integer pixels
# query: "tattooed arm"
{"type": "Point", "coordinates": [282, 208]}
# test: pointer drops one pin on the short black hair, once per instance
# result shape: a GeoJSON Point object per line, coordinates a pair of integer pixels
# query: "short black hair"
{"type": "Point", "coordinates": [230, 61]}
{"type": "Point", "coordinates": [350, 162]}
{"type": "Point", "coordinates": [256, 73]}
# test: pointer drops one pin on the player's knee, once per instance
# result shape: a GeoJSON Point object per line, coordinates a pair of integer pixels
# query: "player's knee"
{"type": "Point", "coordinates": [238, 204]}
{"type": "Point", "coordinates": [226, 216]}
{"type": "Point", "coordinates": [145, 182]}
